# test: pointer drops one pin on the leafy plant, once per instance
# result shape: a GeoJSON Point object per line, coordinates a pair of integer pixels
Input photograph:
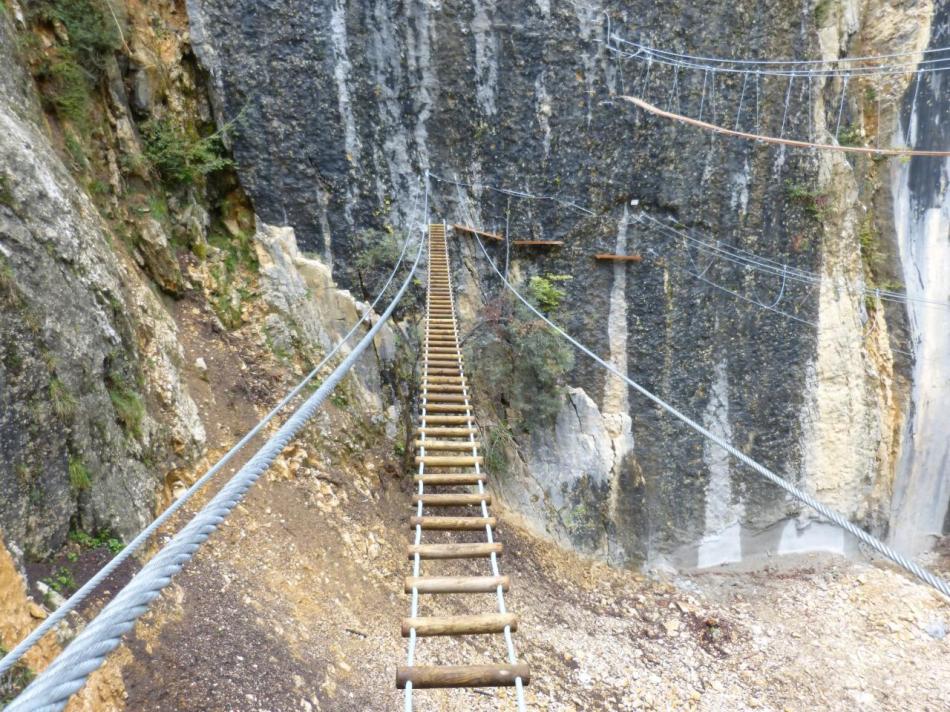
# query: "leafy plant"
{"type": "Point", "coordinates": [103, 538]}
{"type": "Point", "coordinates": [180, 155]}
{"type": "Point", "coordinates": [79, 478]}
{"type": "Point", "coordinates": [545, 294]}
{"type": "Point", "coordinates": [61, 581]}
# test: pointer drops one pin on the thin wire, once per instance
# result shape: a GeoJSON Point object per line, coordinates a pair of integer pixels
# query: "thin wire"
{"type": "Point", "coordinates": [732, 253]}
{"type": "Point", "coordinates": [799, 494]}
{"type": "Point", "coordinates": [695, 58]}
{"type": "Point", "coordinates": [882, 71]}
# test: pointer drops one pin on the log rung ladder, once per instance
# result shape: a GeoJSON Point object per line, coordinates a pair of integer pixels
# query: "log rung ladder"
{"type": "Point", "coordinates": [449, 456]}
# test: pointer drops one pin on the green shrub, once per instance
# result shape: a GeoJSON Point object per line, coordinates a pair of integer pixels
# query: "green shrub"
{"type": "Point", "coordinates": [61, 581]}
{"type": "Point", "coordinates": [103, 538]}
{"type": "Point", "coordinates": [79, 478]}
{"type": "Point", "coordinates": [376, 255]}
{"type": "Point", "coordinates": [180, 156]}
{"type": "Point", "coordinates": [68, 90]}
{"type": "Point", "coordinates": [850, 136]}
{"type": "Point", "coordinates": [90, 25]}
{"type": "Point", "coordinates": [814, 202]}
{"type": "Point", "coordinates": [546, 296]}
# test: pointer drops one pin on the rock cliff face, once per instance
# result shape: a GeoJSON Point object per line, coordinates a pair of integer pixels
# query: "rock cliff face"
{"type": "Point", "coordinates": [101, 244]}
{"type": "Point", "coordinates": [346, 103]}
{"type": "Point", "coordinates": [90, 389]}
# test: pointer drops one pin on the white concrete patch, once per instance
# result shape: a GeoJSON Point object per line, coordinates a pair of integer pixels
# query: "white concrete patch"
{"type": "Point", "coordinates": [798, 538]}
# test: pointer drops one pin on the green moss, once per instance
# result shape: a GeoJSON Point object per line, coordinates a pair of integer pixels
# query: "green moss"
{"type": "Point", "coordinates": [823, 12]}
{"type": "Point", "coordinates": [13, 682]}
{"type": "Point", "coordinates": [79, 477]}
{"type": "Point", "coordinates": [68, 91]}
{"type": "Point", "coordinates": [180, 155]}
{"type": "Point", "coordinates": [129, 408]}
{"type": "Point", "coordinates": [6, 194]}
{"type": "Point", "coordinates": [63, 402]}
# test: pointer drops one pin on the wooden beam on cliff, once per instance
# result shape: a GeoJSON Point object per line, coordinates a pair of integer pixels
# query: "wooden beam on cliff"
{"type": "Point", "coordinates": [475, 231]}
{"type": "Point", "coordinates": [618, 258]}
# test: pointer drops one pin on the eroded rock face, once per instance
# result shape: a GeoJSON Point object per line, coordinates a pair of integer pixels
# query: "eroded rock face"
{"type": "Point", "coordinates": [90, 386]}
{"type": "Point", "coordinates": [519, 95]}
{"type": "Point", "coordinates": [310, 310]}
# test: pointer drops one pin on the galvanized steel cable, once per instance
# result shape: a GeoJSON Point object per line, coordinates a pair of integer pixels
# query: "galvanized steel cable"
{"type": "Point", "coordinates": [67, 674]}
{"type": "Point", "coordinates": [825, 511]}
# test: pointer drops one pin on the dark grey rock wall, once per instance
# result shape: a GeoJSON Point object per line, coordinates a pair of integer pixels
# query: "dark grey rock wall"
{"type": "Point", "coordinates": [344, 104]}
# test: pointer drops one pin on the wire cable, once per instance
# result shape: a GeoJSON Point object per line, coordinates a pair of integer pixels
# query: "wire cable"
{"type": "Point", "coordinates": [11, 658]}
{"type": "Point", "coordinates": [799, 494]}
{"type": "Point", "coordinates": [50, 691]}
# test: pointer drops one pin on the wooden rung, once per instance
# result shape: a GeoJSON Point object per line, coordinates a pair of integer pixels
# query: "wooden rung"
{"type": "Point", "coordinates": [448, 461]}
{"type": "Point", "coordinates": [443, 387]}
{"type": "Point", "coordinates": [469, 478]}
{"type": "Point", "coordinates": [456, 584]}
{"type": "Point", "coordinates": [451, 500]}
{"type": "Point", "coordinates": [479, 624]}
{"type": "Point", "coordinates": [446, 676]}
{"type": "Point", "coordinates": [455, 551]}
{"type": "Point", "coordinates": [446, 379]}
{"type": "Point", "coordinates": [618, 258]}
{"type": "Point", "coordinates": [439, 397]}
{"type": "Point", "coordinates": [447, 408]}
{"type": "Point", "coordinates": [448, 432]}
{"type": "Point", "coordinates": [446, 445]}
{"type": "Point", "coordinates": [442, 370]}
{"type": "Point", "coordinates": [452, 524]}
{"type": "Point", "coordinates": [445, 419]}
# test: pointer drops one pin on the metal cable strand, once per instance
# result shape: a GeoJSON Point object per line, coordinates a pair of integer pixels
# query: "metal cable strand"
{"type": "Point", "coordinates": [11, 658]}
{"type": "Point", "coordinates": [67, 674]}
{"type": "Point", "coordinates": [731, 253]}
{"type": "Point", "coordinates": [830, 514]}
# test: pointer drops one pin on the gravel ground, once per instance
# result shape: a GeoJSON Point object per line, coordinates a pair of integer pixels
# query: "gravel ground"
{"type": "Point", "coordinates": [295, 605]}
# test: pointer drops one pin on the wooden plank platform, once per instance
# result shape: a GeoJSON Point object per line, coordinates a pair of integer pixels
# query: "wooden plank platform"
{"type": "Point", "coordinates": [618, 258]}
{"type": "Point", "coordinates": [481, 233]}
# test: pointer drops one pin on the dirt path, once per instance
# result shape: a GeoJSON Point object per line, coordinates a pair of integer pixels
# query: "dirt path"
{"type": "Point", "coordinates": [296, 603]}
